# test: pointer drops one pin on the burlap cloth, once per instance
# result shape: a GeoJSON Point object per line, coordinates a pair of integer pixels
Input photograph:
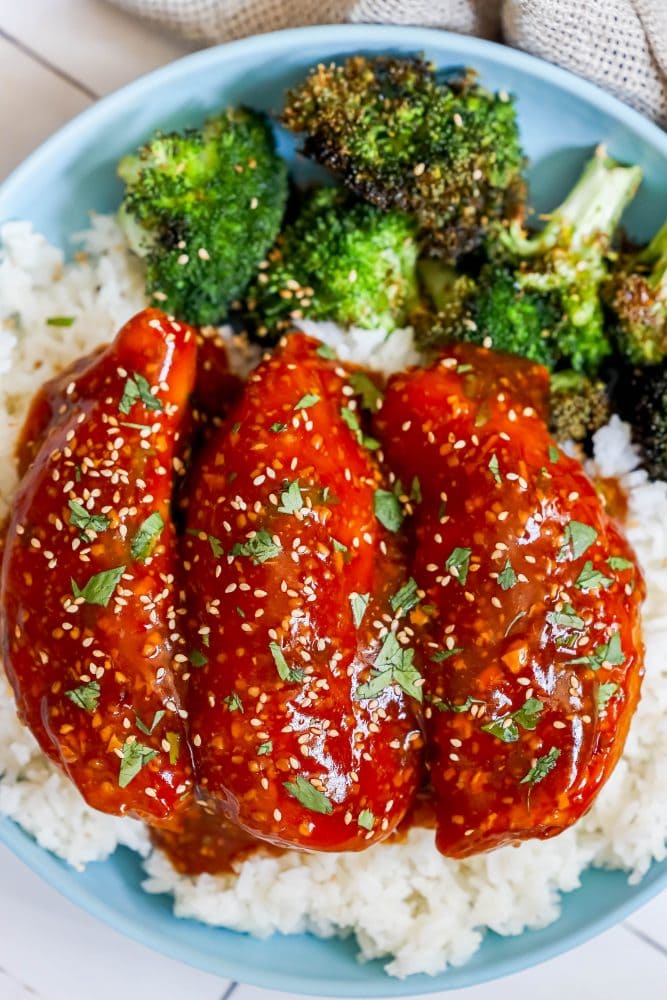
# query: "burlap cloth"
{"type": "Point", "coordinates": [619, 44]}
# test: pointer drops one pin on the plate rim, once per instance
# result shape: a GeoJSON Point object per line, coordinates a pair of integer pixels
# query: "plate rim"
{"type": "Point", "coordinates": [39, 859]}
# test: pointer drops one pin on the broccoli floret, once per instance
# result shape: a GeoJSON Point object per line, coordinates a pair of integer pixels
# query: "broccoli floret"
{"type": "Point", "coordinates": [568, 260]}
{"type": "Point", "coordinates": [578, 406]}
{"type": "Point", "coordinates": [540, 296]}
{"type": "Point", "coordinates": [642, 401]}
{"type": "Point", "coordinates": [638, 299]}
{"type": "Point", "coordinates": [342, 260]}
{"type": "Point", "coordinates": [403, 137]}
{"type": "Point", "coordinates": [202, 207]}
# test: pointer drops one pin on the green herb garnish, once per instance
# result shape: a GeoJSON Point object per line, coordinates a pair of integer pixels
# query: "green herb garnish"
{"type": "Point", "coordinates": [86, 522]}
{"type": "Point", "coordinates": [60, 320]}
{"type": "Point", "coordinates": [233, 702]}
{"type": "Point", "coordinates": [86, 697]}
{"type": "Point", "coordinates": [135, 756]}
{"type": "Point", "coordinates": [604, 694]}
{"type": "Point", "coordinates": [578, 538]}
{"type": "Point", "coordinates": [507, 578]}
{"type": "Point", "coordinates": [278, 428]}
{"type": "Point", "coordinates": [359, 604]}
{"type": "Point", "coordinates": [309, 796]}
{"type": "Point", "coordinates": [138, 388]}
{"type": "Point", "coordinates": [146, 537]}
{"type": "Point", "coordinates": [554, 453]}
{"type": "Point", "coordinates": [99, 588]}
{"type": "Point", "coordinates": [260, 548]}
{"type": "Point", "coordinates": [406, 598]}
{"type": "Point", "coordinates": [610, 653]}
{"type": "Point", "coordinates": [265, 748]}
{"type": "Point", "coordinates": [197, 659]}
{"type": "Point", "coordinates": [294, 675]}
{"type": "Point", "coordinates": [542, 767]}
{"type": "Point", "coordinates": [394, 665]}
{"type": "Point", "coordinates": [618, 562]}
{"type": "Point", "coordinates": [291, 498]}
{"type": "Point", "coordinates": [494, 468]}
{"type": "Point", "coordinates": [567, 618]}
{"type": "Point", "coordinates": [592, 579]}
{"type": "Point", "coordinates": [326, 351]}
{"type": "Point", "coordinates": [387, 509]}
{"type": "Point", "coordinates": [506, 728]}
{"type": "Point", "coordinates": [458, 564]}
{"type": "Point", "coordinates": [157, 719]}
{"type": "Point", "coordinates": [366, 819]}
{"type": "Point", "coordinates": [367, 389]}
{"type": "Point", "coordinates": [308, 400]}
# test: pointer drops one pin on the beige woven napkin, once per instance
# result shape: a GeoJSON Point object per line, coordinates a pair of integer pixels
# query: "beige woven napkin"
{"type": "Point", "coordinates": [619, 44]}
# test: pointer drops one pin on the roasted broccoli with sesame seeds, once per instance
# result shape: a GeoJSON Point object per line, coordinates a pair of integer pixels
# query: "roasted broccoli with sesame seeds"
{"type": "Point", "coordinates": [540, 296]}
{"type": "Point", "coordinates": [637, 296]}
{"type": "Point", "coordinates": [578, 406]}
{"type": "Point", "coordinates": [567, 262]}
{"type": "Point", "coordinates": [491, 310]}
{"type": "Point", "coordinates": [403, 137]}
{"type": "Point", "coordinates": [341, 259]}
{"type": "Point", "coordinates": [202, 208]}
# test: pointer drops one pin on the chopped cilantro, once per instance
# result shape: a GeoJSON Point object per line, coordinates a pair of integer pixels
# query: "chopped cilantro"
{"type": "Point", "coordinates": [448, 706]}
{"type": "Point", "coordinates": [294, 675]}
{"type": "Point", "coordinates": [240, 612]}
{"type": "Point", "coordinates": [60, 320]}
{"type": "Point", "coordinates": [359, 604]}
{"type": "Point", "coordinates": [146, 537]}
{"type": "Point", "coordinates": [309, 796]}
{"type": "Point", "coordinates": [338, 546]}
{"type": "Point", "coordinates": [87, 696]}
{"type": "Point", "coordinates": [387, 510]}
{"type": "Point", "coordinates": [291, 498]}
{"type": "Point", "coordinates": [605, 693]}
{"type": "Point", "coordinates": [138, 388]}
{"type": "Point", "coordinates": [567, 618]}
{"type": "Point", "coordinates": [542, 767]}
{"type": "Point", "coordinates": [157, 719]}
{"type": "Point", "coordinates": [366, 819]}
{"type": "Point", "coordinates": [308, 400]}
{"type": "Point", "coordinates": [215, 543]}
{"type": "Point", "coordinates": [135, 756]}
{"type": "Point", "coordinates": [236, 427]}
{"type": "Point", "coordinates": [265, 748]}
{"type": "Point", "coordinates": [618, 562]}
{"type": "Point", "coordinates": [99, 588]}
{"type": "Point", "coordinates": [507, 578]}
{"type": "Point", "coordinates": [326, 351]}
{"type": "Point", "coordinates": [367, 389]}
{"type": "Point", "coordinates": [610, 653]}
{"type": "Point", "coordinates": [86, 522]}
{"type": "Point", "coordinates": [458, 564]}
{"type": "Point", "coordinates": [592, 579]}
{"type": "Point", "coordinates": [197, 659]}
{"type": "Point", "coordinates": [416, 491]}
{"type": "Point", "coordinates": [351, 418]}
{"type": "Point", "coordinates": [278, 428]}
{"type": "Point", "coordinates": [406, 598]}
{"type": "Point", "coordinates": [444, 654]}
{"type": "Point", "coordinates": [393, 666]}
{"type": "Point", "coordinates": [554, 453]}
{"type": "Point", "coordinates": [494, 468]}
{"type": "Point", "coordinates": [578, 538]}
{"type": "Point", "coordinates": [506, 728]}
{"type": "Point", "coordinates": [260, 548]}
{"type": "Point", "coordinates": [233, 702]}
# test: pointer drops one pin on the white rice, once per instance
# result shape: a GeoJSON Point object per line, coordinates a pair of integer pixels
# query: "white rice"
{"type": "Point", "coordinates": [405, 902]}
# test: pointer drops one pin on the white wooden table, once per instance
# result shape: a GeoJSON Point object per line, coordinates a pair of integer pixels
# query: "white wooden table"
{"type": "Point", "coordinates": [56, 58]}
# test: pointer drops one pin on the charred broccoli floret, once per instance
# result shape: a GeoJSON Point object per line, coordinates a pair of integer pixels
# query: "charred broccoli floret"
{"type": "Point", "coordinates": [578, 406]}
{"type": "Point", "coordinates": [202, 207]}
{"type": "Point", "coordinates": [492, 310]}
{"type": "Point", "coordinates": [403, 137]}
{"type": "Point", "coordinates": [568, 260]}
{"type": "Point", "coordinates": [540, 296]}
{"type": "Point", "coordinates": [637, 295]}
{"type": "Point", "coordinates": [642, 401]}
{"type": "Point", "coordinates": [342, 260]}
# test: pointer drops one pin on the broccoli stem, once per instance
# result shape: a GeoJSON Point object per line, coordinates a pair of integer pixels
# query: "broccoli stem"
{"type": "Point", "coordinates": [655, 257]}
{"type": "Point", "coordinates": [590, 212]}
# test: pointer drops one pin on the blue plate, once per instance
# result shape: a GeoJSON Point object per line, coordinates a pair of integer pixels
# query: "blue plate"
{"type": "Point", "coordinates": [562, 117]}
